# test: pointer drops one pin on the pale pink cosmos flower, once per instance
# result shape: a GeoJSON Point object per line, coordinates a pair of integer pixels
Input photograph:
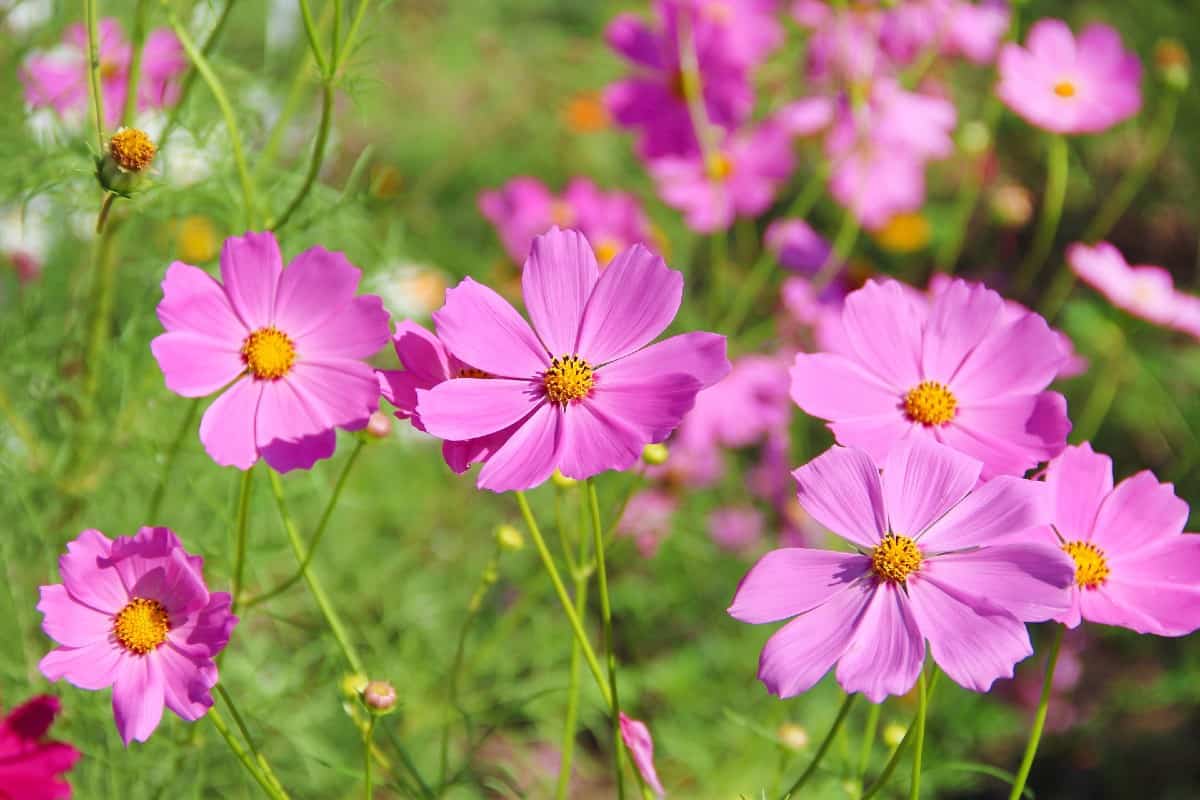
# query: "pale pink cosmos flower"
{"type": "Point", "coordinates": [1069, 85]}
{"type": "Point", "coordinates": [58, 78]}
{"type": "Point", "coordinates": [953, 27]}
{"type": "Point", "coordinates": [736, 528]}
{"type": "Point", "coordinates": [647, 519]}
{"type": "Point", "coordinates": [285, 348]}
{"type": "Point", "coordinates": [1144, 291]}
{"type": "Point", "coordinates": [637, 738]}
{"type": "Point", "coordinates": [1134, 565]}
{"type": "Point", "coordinates": [580, 391]}
{"type": "Point", "coordinates": [135, 614]}
{"type": "Point", "coordinates": [952, 370]}
{"type": "Point", "coordinates": [930, 565]}
{"type": "Point", "coordinates": [31, 766]}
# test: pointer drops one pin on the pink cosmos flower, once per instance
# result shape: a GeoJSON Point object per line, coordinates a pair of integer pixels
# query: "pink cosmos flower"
{"type": "Point", "coordinates": [736, 529]}
{"type": "Point", "coordinates": [844, 47]}
{"type": "Point", "coordinates": [653, 99]}
{"type": "Point", "coordinates": [580, 391]}
{"type": "Point", "coordinates": [522, 209]}
{"type": "Point", "coordinates": [135, 614]}
{"type": "Point", "coordinates": [637, 738]}
{"type": "Point", "coordinates": [31, 764]}
{"type": "Point", "coordinates": [58, 78]}
{"type": "Point", "coordinates": [1134, 566]}
{"type": "Point", "coordinates": [1066, 85]}
{"type": "Point", "coordinates": [1144, 291]}
{"type": "Point", "coordinates": [928, 566]}
{"type": "Point", "coordinates": [951, 370]}
{"type": "Point", "coordinates": [426, 364]}
{"type": "Point", "coordinates": [285, 346]}
{"type": "Point", "coordinates": [954, 27]}
{"type": "Point", "coordinates": [740, 179]}
{"type": "Point", "coordinates": [796, 245]}
{"type": "Point", "coordinates": [647, 519]}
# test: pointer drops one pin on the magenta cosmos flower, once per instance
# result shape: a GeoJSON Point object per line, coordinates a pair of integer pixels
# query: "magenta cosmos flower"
{"type": "Point", "coordinates": [927, 567]}
{"type": "Point", "coordinates": [637, 738]}
{"type": "Point", "coordinates": [135, 614]}
{"type": "Point", "coordinates": [580, 391]}
{"type": "Point", "coordinates": [954, 370]}
{"type": "Point", "coordinates": [285, 345]}
{"type": "Point", "coordinates": [1134, 566]}
{"type": "Point", "coordinates": [1069, 85]}
{"type": "Point", "coordinates": [1144, 291]}
{"type": "Point", "coordinates": [31, 765]}
{"type": "Point", "coordinates": [58, 78]}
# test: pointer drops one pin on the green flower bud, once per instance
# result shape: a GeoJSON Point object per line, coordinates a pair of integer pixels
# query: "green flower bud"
{"type": "Point", "coordinates": [655, 454]}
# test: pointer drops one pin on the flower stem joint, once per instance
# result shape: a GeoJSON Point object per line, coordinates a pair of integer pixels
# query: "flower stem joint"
{"type": "Point", "coordinates": [124, 167]}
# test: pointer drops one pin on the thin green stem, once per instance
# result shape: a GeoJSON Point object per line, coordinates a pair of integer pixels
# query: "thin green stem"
{"type": "Point", "coordinates": [314, 44]}
{"type": "Point", "coordinates": [137, 40]}
{"type": "Point", "coordinates": [243, 516]}
{"type": "Point", "coordinates": [314, 585]}
{"type": "Point", "coordinates": [563, 598]}
{"type": "Point", "coordinates": [235, 137]}
{"type": "Point", "coordinates": [868, 741]}
{"type": "Point", "coordinates": [189, 78]}
{"type": "Point", "coordinates": [368, 781]}
{"type": "Point", "coordinates": [914, 789]}
{"type": "Point", "coordinates": [105, 207]}
{"type": "Point", "coordinates": [335, 39]}
{"type": "Point", "coordinates": [160, 490]}
{"type": "Point", "coordinates": [348, 45]}
{"type": "Point", "coordinates": [1057, 163]}
{"type": "Point", "coordinates": [838, 721]}
{"type": "Point", "coordinates": [581, 577]}
{"type": "Point", "coordinates": [322, 525]}
{"type": "Point", "coordinates": [843, 243]}
{"type": "Point", "coordinates": [242, 756]}
{"type": "Point", "coordinates": [606, 617]}
{"type": "Point", "coordinates": [898, 753]}
{"type": "Point", "coordinates": [105, 290]}
{"type": "Point", "coordinates": [95, 96]}
{"type": "Point", "coordinates": [318, 157]}
{"type": "Point", "coordinates": [1039, 719]}
{"type": "Point", "coordinates": [263, 764]}
{"type": "Point", "coordinates": [968, 198]}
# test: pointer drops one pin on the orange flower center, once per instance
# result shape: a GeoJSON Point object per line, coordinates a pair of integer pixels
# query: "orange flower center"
{"type": "Point", "coordinates": [568, 378]}
{"type": "Point", "coordinates": [895, 558]}
{"type": "Point", "coordinates": [1064, 89]}
{"type": "Point", "coordinates": [141, 626]}
{"type": "Point", "coordinates": [268, 353]}
{"type": "Point", "coordinates": [930, 403]}
{"type": "Point", "coordinates": [718, 166]}
{"type": "Point", "coordinates": [132, 149]}
{"type": "Point", "coordinates": [1091, 567]}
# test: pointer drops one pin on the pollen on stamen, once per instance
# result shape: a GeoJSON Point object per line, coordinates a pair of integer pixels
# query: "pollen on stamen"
{"type": "Point", "coordinates": [568, 378]}
{"type": "Point", "coordinates": [133, 150]}
{"type": "Point", "coordinates": [1064, 89]}
{"type": "Point", "coordinates": [1091, 567]}
{"type": "Point", "coordinates": [141, 626]}
{"type": "Point", "coordinates": [930, 403]}
{"type": "Point", "coordinates": [268, 353]}
{"type": "Point", "coordinates": [895, 558]}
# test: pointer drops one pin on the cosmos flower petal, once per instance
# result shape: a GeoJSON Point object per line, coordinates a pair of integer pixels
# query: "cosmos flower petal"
{"type": "Point", "coordinates": [358, 330]}
{"type": "Point", "coordinates": [1023, 357]}
{"type": "Point", "coordinates": [841, 490]}
{"type": "Point", "coordinates": [186, 684]}
{"type": "Point", "coordinates": [69, 622]}
{"type": "Point", "coordinates": [250, 268]}
{"type": "Point", "coordinates": [653, 407]}
{"type": "Point", "coordinates": [922, 480]}
{"type": "Point", "coordinates": [556, 282]}
{"type": "Point", "coordinates": [313, 289]}
{"type": "Point", "coordinates": [596, 441]}
{"type": "Point", "coordinates": [875, 435]}
{"type": "Point", "coordinates": [85, 578]}
{"type": "Point", "coordinates": [636, 737]}
{"type": "Point", "coordinates": [92, 667]}
{"type": "Point", "coordinates": [1121, 608]}
{"type": "Point", "coordinates": [484, 330]}
{"type": "Point", "coordinates": [530, 455]}
{"type": "Point", "coordinates": [999, 509]}
{"type": "Point", "coordinates": [421, 353]}
{"type": "Point", "coordinates": [883, 326]}
{"type": "Point", "coordinates": [887, 650]}
{"type": "Point", "coordinates": [138, 698]}
{"type": "Point", "coordinates": [227, 427]}
{"type": "Point", "coordinates": [1029, 579]}
{"type": "Point", "coordinates": [973, 641]}
{"type": "Point", "coordinates": [1138, 513]}
{"type": "Point", "coordinates": [194, 365]}
{"type": "Point", "coordinates": [961, 317]}
{"type": "Point", "coordinates": [831, 386]}
{"type": "Point", "coordinates": [628, 35]}
{"type": "Point", "coordinates": [194, 302]}
{"type": "Point", "coordinates": [794, 580]}
{"type": "Point", "coordinates": [471, 407]}
{"type": "Point", "coordinates": [633, 302]}
{"type": "Point", "coordinates": [699, 354]}
{"type": "Point", "coordinates": [285, 455]}
{"type": "Point", "coordinates": [1010, 434]}
{"type": "Point", "coordinates": [1079, 479]}
{"type": "Point", "coordinates": [801, 652]}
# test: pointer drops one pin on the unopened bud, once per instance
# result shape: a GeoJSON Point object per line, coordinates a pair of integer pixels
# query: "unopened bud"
{"type": "Point", "coordinates": [1173, 64]}
{"type": "Point", "coordinates": [124, 167]}
{"type": "Point", "coordinates": [792, 736]}
{"type": "Point", "coordinates": [379, 696]}
{"type": "Point", "coordinates": [562, 481]}
{"type": "Point", "coordinates": [379, 426]}
{"type": "Point", "coordinates": [655, 454]}
{"type": "Point", "coordinates": [893, 734]}
{"type": "Point", "coordinates": [353, 684]}
{"type": "Point", "coordinates": [1011, 205]}
{"type": "Point", "coordinates": [974, 138]}
{"type": "Point", "coordinates": [509, 538]}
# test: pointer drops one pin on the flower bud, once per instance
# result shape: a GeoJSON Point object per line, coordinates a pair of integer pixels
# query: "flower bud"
{"type": "Point", "coordinates": [509, 538]}
{"type": "Point", "coordinates": [655, 454]}
{"type": "Point", "coordinates": [125, 166]}
{"type": "Point", "coordinates": [792, 736]}
{"type": "Point", "coordinates": [1011, 205]}
{"type": "Point", "coordinates": [974, 138]}
{"type": "Point", "coordinates": [893, 734]}
{"type": "Point", "coordinates": [379, 696]}
{"type": "Point", "coordinates": [379, 426]}
{"type": "Point", "coordinates": [353, 684]}
{"type": "Point", "coordinates": [562, 481]}
{"type": "Point", "coordinates": [1173, 64]}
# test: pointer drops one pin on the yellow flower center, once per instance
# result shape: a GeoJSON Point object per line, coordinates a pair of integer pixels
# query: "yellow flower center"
{"type": "Point", "coordinates": [471, 372]}
{"type": "Point", "coordinates": [198, 239]}
{"type": "Point", "coordinates": [142, 625]}
{"type": "Point", "coordinates": [718, 166]}
{"type": "Point", "coordinates": [895, 558]}
{"type": "Point", "coordinates": [606, 251]}
{"type": "Point", "coordinates": [904, 233]}
{"type": "Point", "coordinates": [109, 70]}
{"type": "Point", "coordinates": [132, 149]}
{"type": "Point", "coordinates": [930, 403]}
{"type": "Point", "coordinates": [268, 353]}
{"type": "Point", "coordinates": [568, 378]}
{"type": "Point", "coordinates": [1091, 568]}
{"type": "Point", "coordinates": [1064, 89]}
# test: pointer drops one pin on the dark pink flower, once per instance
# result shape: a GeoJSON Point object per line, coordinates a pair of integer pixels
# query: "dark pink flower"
{"type": "Point", "coordinates": [31, 765]}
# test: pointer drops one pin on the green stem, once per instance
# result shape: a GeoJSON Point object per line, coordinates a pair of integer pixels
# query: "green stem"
{"type": "Point", "coordinates": [314, 585]}
{"type": "Point", "coordinates": [322, 525]}
{"type": "Point", "coordinates": [318, 157]}
{"type": "Point", "coordinates": [606, 617]}
{"type": "Point", "coordinates": [898, 753]}
{"type": "Point", "coordinates": [843, 243]}
{"type": "Point", "coordinates": [94, 93]}
{"type": "Point", "coordinates": [1057, 162]}
{"type": "Point", "coordinates": [914, 789]}
{"type": "Point", "coordinates": [868, 742]}
{"type": "Point", "coordinates": [189, 78]}
{"type": "Point", "coordinates": [563, 598]}
{"type": "Point", "coordinates": [348, 45]}
{"type": "Point", "coordinates": [1039, 719]}
{"type": "Point", "coordinates": [137, 40]}
{"type": "Point", "coordinates": [310, 30]}
{"type": "Point", "coordinates": [968, 199]}
{"type": "Point", "coordinates": [242, 755]}
{"type": "Point", "coordinates": [243, 516]}
{"type": "Point", "coordinates": [581, 577]}
{"type": "Point", "coordinates": [811, 770]}
{"type": "Point", "coordinates": [368, 781]}
{"type": "Point", "coordinates": [105, 289]}
{"type": "Point", "coordinates": [160, 491]}
{"type": "Point", "coordinates": [263, 764]}
{"type": "Point", "coordinates": [235, 137]}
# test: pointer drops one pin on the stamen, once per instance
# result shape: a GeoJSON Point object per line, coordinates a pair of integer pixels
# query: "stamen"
{"type": "Point", "coordinates": [568, 378]}
{"type": "Point", "coordinates": [1091, 567]}
{"type": "Point", "coordinates": [268, 353]}
{"type": "Point", "coordinates": [895, 558]}
{"type": "Point", "coordinates": [132, 149]}
{"type": "Point", "coordinates": [930, 403]}
{"type": "Point", "coordinates": [141, 626]}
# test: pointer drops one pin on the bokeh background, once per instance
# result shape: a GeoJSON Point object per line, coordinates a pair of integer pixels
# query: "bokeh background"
{"type": "Point", "coordinates": [441, 101]}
